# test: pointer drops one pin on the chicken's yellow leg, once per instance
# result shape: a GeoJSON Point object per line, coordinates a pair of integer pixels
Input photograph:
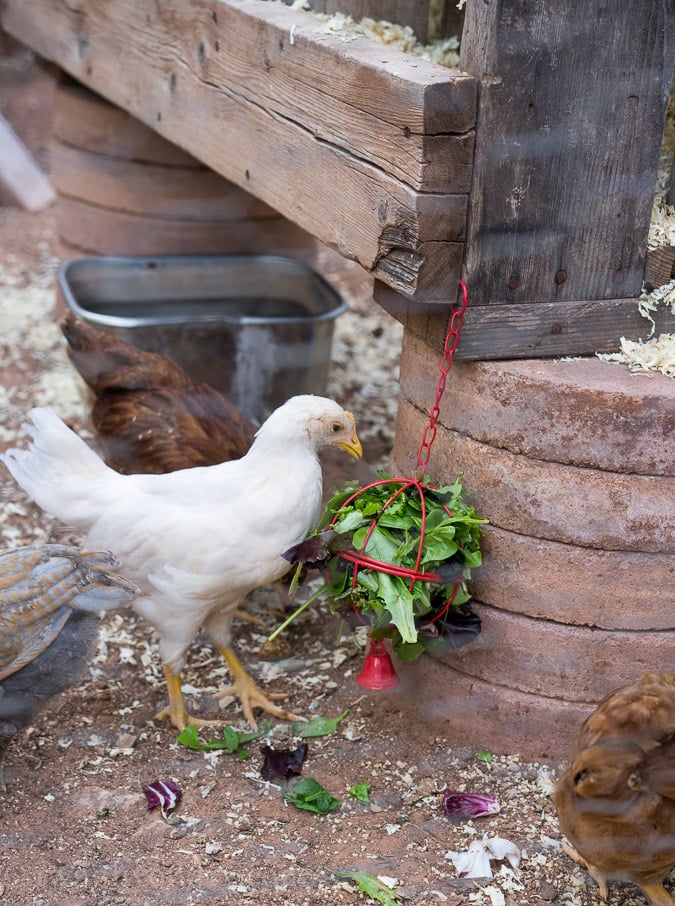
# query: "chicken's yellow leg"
{"type": "Point", "coordinates": [249, 694]}
{"type": "Point", "coordinates": [177, 712]}
{"type": "Point", "coordinates": [657, 895]}
{"type": "Point", "coordinates": [595, 873]}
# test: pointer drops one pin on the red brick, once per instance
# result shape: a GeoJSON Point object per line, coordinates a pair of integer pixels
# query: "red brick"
{"type": "Point", "coordinates": [543, 499]}
{"type": "Point", "coordinates": [542, 657]}
{"type": "Point", "coordinates": [487, 716]}
{"type": "Point", "coordinates": [571, 584]}
{"type": "Point", "coordinates": [583, 412]}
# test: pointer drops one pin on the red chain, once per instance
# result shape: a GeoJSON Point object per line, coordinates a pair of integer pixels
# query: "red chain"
{"type": "Point", "coordinates": [449, 347]}
{"type": "Point", "coordinates": [359, 558]}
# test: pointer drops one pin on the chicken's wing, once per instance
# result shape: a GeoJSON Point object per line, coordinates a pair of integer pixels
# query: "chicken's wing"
{"type": "Point", "coordinates": [49, 598]}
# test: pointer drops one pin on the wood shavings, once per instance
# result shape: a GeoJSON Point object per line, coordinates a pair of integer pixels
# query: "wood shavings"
{"type": "Point", "coordinates": [400, 37]}
{"type": "Point", "coordinates": [657, 354]}
{"type": "Point", "coordinates": [662, 225]}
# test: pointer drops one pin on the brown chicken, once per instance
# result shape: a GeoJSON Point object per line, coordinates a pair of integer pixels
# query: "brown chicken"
{"type": "Point", "coordinates": [49, 599]}
{"type": "Point", "coordinates": [616, 802]}
{"type": "Point", "coordinates": [149, 416]}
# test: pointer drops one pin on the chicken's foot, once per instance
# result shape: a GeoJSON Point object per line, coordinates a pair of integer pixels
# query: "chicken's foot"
{"type": "Point", "coordinates": [249, 694]}
{"type": "Point", "coordinates": [176, 711]}
{"type": "Point", "coordinates": [247, 617]}
{"type": "Point", "coordinates": [597, 875]}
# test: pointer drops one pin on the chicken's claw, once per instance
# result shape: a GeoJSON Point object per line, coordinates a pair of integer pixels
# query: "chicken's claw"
{"type": "Point", "coordinates": [597, 876]}
{"type": "Point", "coordinates": [249, 694]}
{"type": "Point", "coordinates": [186, 720]}
{"type": "Point", "coordinates": [176, 710]}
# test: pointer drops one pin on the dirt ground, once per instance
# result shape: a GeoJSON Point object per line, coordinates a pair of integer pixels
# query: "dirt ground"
{"type": "Point", "coordinates": [74, 824]}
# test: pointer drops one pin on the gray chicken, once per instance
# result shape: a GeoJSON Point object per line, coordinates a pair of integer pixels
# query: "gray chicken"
{"type": "Point", "coordinates": [49, 599]}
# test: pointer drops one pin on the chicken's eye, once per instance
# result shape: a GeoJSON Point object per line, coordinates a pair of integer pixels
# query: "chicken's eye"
{"type": "Point", "coordinates": [336, 427]}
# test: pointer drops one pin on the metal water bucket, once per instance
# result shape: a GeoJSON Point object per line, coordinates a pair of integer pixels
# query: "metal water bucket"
{"type": "Point", "coordinates": [259, 328]}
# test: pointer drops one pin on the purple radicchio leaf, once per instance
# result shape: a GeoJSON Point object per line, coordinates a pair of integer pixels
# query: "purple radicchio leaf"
{"type": "Point", "coordinates": [468, 805]}
{"type": "Point", "coordinates": [316, 550]}
{"type": "Point", "coordinates": [457, 627]}
{"type": "Point", "coordinates": [162, 793]}
{"type": "Point", "coordinates": [282, 764]}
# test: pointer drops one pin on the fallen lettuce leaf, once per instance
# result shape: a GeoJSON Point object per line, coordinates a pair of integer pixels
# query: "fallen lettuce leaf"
{"type": "Point", "coordinates": [282, 764]}
{"type": "Point", "coordinates": [162, 793]}
{"type": "Point", "coordinates": [485, 756]}
{"type": "Point", "coordinates": [232, 741]}
{"type": "Point", "coordinates": [370, 885]}
{"type": "Point", "coordinates": [317, 726]}
{"type": "Point", "coordinates": [360, 792]}
{"type": "Point", "coordinates": [475, 862]}
{"type": "Point", "coordinates": [307, 793]}
{"type": "Point", "coordinates": [468, 805]}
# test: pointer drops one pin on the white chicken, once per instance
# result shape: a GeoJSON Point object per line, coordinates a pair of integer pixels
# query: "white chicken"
{"type": "Point", "coordinates": [198, 540]}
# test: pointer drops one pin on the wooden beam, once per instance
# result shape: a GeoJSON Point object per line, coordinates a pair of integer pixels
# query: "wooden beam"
{"type": "Point", "coordinates": [22, 182]}
{"type": "Point", "coordinates": [537, 330]}
{"type": "Point", "coordinates": [368, 149]}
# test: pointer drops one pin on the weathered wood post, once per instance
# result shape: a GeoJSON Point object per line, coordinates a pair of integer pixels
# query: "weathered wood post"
{"type": "Point", "coordinates": [572, 107]}
{"type": "Point", "coordinates": [573, 99]}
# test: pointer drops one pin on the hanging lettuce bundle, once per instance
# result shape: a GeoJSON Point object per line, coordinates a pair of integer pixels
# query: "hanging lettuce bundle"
{"type": "Point", "coordinates": [396, 555]}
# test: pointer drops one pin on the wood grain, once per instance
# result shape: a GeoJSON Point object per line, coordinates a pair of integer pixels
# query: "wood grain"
{"type": "Point", "coordinates": [528, 330]}
{"type": "Point", "coordinates": [567, 146]}
{"type": "Point", "coordinates": [366, 148]}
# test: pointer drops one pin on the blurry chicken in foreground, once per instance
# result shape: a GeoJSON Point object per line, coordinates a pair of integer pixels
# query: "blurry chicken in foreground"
{"type": "Point", "coordinates": [49, 598]}
{"type": "Point", "coordinates": [616, 802]}
{"type": "Point", "coordinates": [147, 413]}
{"type": "Point", "coordinates": [198, 540]}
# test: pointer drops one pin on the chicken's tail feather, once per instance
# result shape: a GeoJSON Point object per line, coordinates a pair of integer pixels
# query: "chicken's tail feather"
{"type": "Point", "coordinates": [59, 471]}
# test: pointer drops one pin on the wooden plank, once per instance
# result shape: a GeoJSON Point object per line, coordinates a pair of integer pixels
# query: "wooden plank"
{"type": "Point", "coordinates": [22, 182]}
{"type": "Point", "coordinates": [536, 330]}
{"type": "Point", "coordinates": [151, 189]}
{"type": "Point", "coordinates": [572, 109]}
{"type": "Point", "coordinates": [85, 120]}
{"type": "Point", "coordinates": [349, 140]}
